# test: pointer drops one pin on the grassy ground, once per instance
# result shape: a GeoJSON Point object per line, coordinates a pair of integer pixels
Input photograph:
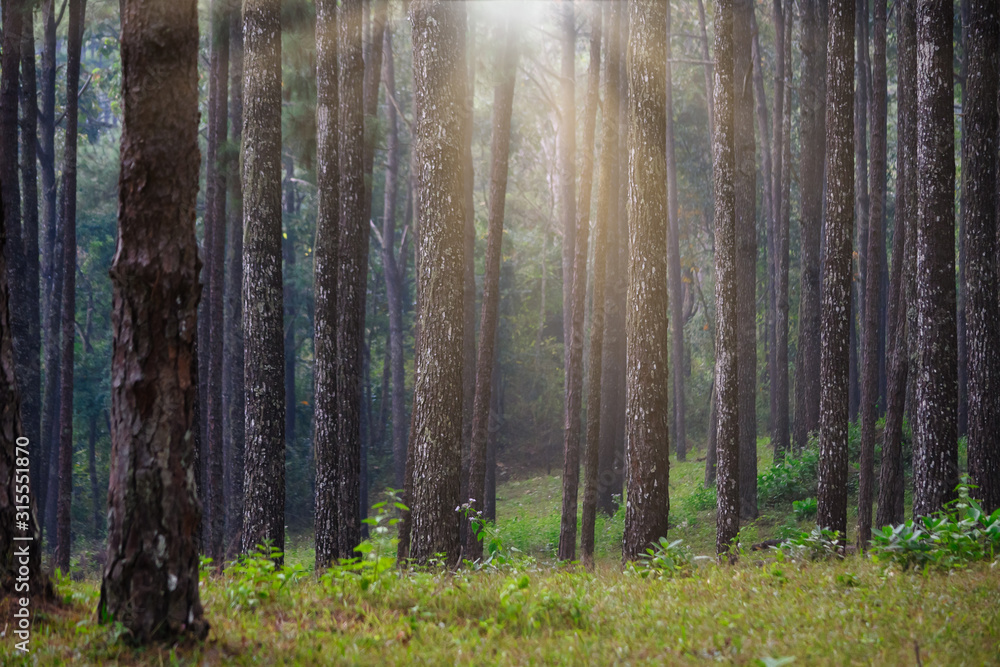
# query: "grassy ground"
{"type": "Point", "coordinates": [532, 611]}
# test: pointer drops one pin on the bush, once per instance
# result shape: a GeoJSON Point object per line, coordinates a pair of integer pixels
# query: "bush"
{"type": "Point", "coordinates": [665, 560]}
{"type": "Point", "coordinates": [819, 544]}
{"type": "Point", "coordinates": [805, 509]}
{"type": "Point", "coordinates": [794, 478]}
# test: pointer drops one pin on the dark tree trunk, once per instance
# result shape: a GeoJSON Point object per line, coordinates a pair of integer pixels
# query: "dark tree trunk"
{"type": "Point", "coordinates": [712, 446]}
{"type": "Point", "coordinates": [288, 297]}
{"type": "Point", "coordinates": [873, 281]}
{"type": "Point", "coordinates": [469, 264]}
{"type": "Point", "coordinates": [566, 157]}
{"type": "Point", "coordinates": [438, 28]}
{"type": "Point", "coordinates": [215, 220]}
{"type": "Point", "coordinates": [706, 56]}
{"type": "Point", "coordinates": [980, 178]}
{"type": "Point", "coordinates": [838, 233]}
{"type": "Point", "coordinates": [503, 100]}
{"type": "Point", "coordinates": [935, 468]}
{"type": "Point", "coordinates": [68, 309]}
{"type": "Point", "coordinates": [862, 202]}
{"type": "Point", "coordinates": [891, 493]}
{"type": "Point", "coordinates": [151, 578]}
{"type": "Point", "coordinates": [264, 469]}
{"type": "Point", "coordinates": [325, 276]}
{"type": "Point", "coordinates": [813, 132]}
{"type": "Point", "coordinates": [673, 248]}
{"type": "Point", "coordinates": [647, 410]}
{"type": "Point", "coordinates": [607, 202]}
{"type": "Point", "coordinates": [746, 254]}
{"type": "Point", "coordinates": [574, 372]}
{"type": "Point", "coordinates": [962, 344]}
{"type": "Point", "coordinates": [232, 362]}
{"type": "Point", "coordinates": [726, 368]}
{"type": "Point", "coordinates": [490, 487]}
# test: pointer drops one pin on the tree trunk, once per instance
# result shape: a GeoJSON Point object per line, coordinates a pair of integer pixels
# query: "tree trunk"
{"type": "Point", "coordinates": [438, 28]}
{"type": "Point", "coordinates": [782, 430]}
{"type": "Point", "coordinates": [233, 425]}
{"type": "Point", "coordinates": [838, 233]}
{"type": "Point", "coordinates": [873, 281]}
{"type": "Point", "coordinates": [215, 219]}
{"type": "Point", "coordinates": [566, 157]}
{"type": "Point", "coordinates": [68, 309]}
{"type": "Point", "coordinates": [862, 201]}
{"type": "Point", "coordinates": [607, 201]}
{"type": "Point", "coordinates": [151, 578]}
{"type": "Point", "coordinates": [647, 410]}
{"type": "Point", "coordinates": [962, 344]}
{"type": "Point", "coordinates": [574, 372]}
{"type": "Point", "coordinates": [980, 178]}
{"type": "Point", "coordinates": [288, 296]}
{"type": "Point", "coordinates": [746, 255]}
{"type": "Point", "coordinates": [709, 97]}
{"type": "Point", "coordinates": [935, 469]}
{"type": "Point", "coordinates": [264, 471]}
{"type": "Point", "coordinates": [503, 100]}
{"type": "Point", "coordinates": [469, 284]}
{"type": "Point", "coordinates": [676, 287]}
{"type": "Point", "coordinates": [96, 502]}
{"type": "Point", "coordinates": [813, 137]}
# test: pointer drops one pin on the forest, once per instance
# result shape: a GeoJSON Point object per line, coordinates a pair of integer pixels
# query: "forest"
{"type": "Point", "coordinates": [499, 332]}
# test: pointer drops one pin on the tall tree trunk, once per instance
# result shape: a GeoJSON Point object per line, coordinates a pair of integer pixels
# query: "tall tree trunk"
{"type": "Point", "coordinates": [813, 155]}
{"type": "Point", "coordinates": [838, 233]}
{"type": "Point", "coordinates": [469, 284]}
{"type": "Point", "coordinates": [325, 262]}
{"type": "Point", "coordinates": [215, 219]}
{"type": "Point", "coordinates": [566, 158]}
{"type": "Point", "coordinates": [264, 469]}
{"type": "Point", "coordinates": [151, 578]}
{"type": "Point", "coordinates": [288, 296]}
{"type": "Point", "coordinates": [863, 201]}
{"type": "Point", "coordinates": [962, 344]}
{"type": "Point", "coordinates": [607, 202]}
{"type": "Point", "coordinates": [935, 469]}
{"type": "Point", "coordinates": [782, 208]}
{"type": "Point", "coordinates": [574, 372]}
{"type": "Point", "coordinates": [96, 501]}
{"type": "Point", "coordinates": [393, 275]}
{"type": "Point", "coordinates": [438, 28]}
{"type": "Point", "coordinates": [873, 281]}
{"type": "Point", "coordinates": [647, 410]}
{"type": "Point", "coordinates": [980, 178]}
{"type": "Point", "coordinates": [233, 415]}
{"type": "Point", "coordinates": [746, 254]}
{"type": "Point", "coordinates": [726, 353]}
{"type": "Point", "coordinates": [706, 56]}
{"type": "Point", "coordinates": [30, 382]}
{"type": "Point", "coordinates": [68, 309]}
{"type": "Point", "coordinates": [673, 248]}
{"type": "Point", "coordinates": [503, 100]}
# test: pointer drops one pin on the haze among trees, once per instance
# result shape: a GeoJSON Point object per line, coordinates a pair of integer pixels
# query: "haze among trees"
{"type": "Point", "coordinates": [310, 299]}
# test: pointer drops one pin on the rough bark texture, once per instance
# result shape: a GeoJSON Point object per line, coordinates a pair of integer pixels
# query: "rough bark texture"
{"type": "Point", "coordinates": [325, 276]}
{"type": "Point", "coordinates": [709, 96]}
{"type": "Point", "coordinates": [726, 368]}
{"type": "Point", "coordinates": [436, 444]}
{"type": "Point", "coordinates": [813, 128]}
{"type": "Point", "coordinates": [151, 578]}
{"type": "Point", "coordinates": [469, 264]}
{"type": "Point", "coordinates": [780, 428]}
{"type": "Point", "coordinates": [746, 253]}
{"type": "Point", "coordinates": [503, 101]}
{"type": "Point", "coordinates": [264, 464]}
{"type": "Point", "coordinates": [838, 232]}
{"type": "Point", "coordinates": [352, 249]}
{"type": "Point", "coordinates": [215, 220]}
{"type": "Point", "coordinates": [979, 166]}
{"type": "Point", "coordinates": [873, 280]}
{"type": "Point", "coordinates": [574, 373]}
{"type": "Point", "coordinates": [68, 307]}
{"type": "Point", "coordinates": [674, 257]}
{"type": "Point", "coordinates": [776, 174]}
{"type": "Point", "coordinates": [935, 467]}
{"type": "Point", "coordinates": [566, 158]}
{"type": "Point", "coordinates": [233, 416]}
{"type": "Point", "coordinates": [647, 412]}
{"type": "Point", "coordinates": [607, 201]}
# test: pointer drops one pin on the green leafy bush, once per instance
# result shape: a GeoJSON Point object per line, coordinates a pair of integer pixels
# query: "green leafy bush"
{"type": "Point", "coordinates": [794, 478]}
{"type": "Point", "coordinates": [805, 509]}
{"type": "Point", "coordinates": [665, 560]}
{"type": "Point", "coordinates": [256, 578]}
{"type": "Point", "coordinates": [818, 544]}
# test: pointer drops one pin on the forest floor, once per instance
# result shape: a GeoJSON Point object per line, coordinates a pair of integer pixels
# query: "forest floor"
{"type": "Point", "coordinates": [524, 608]}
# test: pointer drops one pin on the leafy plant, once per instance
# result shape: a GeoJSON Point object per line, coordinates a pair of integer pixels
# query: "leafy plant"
{"type": "Point", "coordinates": [378, 552]}
{"type": "Point", "coordinates": [665, 560]}
{"type": "Point", "coordinates": [805, 509]}
{"type": "Point", "coordinates": [818, 544]}
{"type": "Point", "coordinates": [256, 577]}
{"type": "Point", "coordinates": [793, 478]}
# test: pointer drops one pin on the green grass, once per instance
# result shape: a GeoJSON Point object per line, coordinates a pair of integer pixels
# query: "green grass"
{"type": "Point", "coordinates": [535, 611]}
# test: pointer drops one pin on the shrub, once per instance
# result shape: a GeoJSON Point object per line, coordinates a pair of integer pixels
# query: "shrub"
{"type": "Point", "coordinates": [805, 509]}
{"type": "Point", "coordinates": [665, 560]}
{"type": "Point", "coordinates": [794, 478]}
{"type": "Point", "coordinates": [819, 544]}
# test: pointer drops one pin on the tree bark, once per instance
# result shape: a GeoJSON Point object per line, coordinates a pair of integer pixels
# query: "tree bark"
{"type": "Point", "coordinates": [838, 233]}
{"type": "Point", "coordinates": [980, 178]}
{"type": "Point", "coordinates": [469, 285]}
{"type": "Point", "coordinates": [503, 100]}
{"type": "Point", "coordinates": [780, 419]}
{"type": "Point", "coordinates": [607, 201]}
{"type": "Point", "coordinates": [264, 462]}
{"type": "Point", "coordinates": [566, 157]}
{"type": "Point", "coordinates": [746, 254]}
{"type": "Point", "coordinates": [873, 280]}
{"type": "Point", "coordinates": [574, 372]}
{"type": "Point", "coordinates": [813, 155]}
{"type": "Point", "coordinates": [935, 472]}
{"type": "Point", "coordinates": [647, 410]}
{"type": "Point", "coordinates": [438, 28]}
{"type": "Point", "coordinates": [151, 578]}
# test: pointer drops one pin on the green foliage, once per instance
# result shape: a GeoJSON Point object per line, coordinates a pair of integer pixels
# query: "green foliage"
{"type": "Point", "coordinates": [818, 544]}
{"type": "Point", "coordinates": [701, 499]}
{"type": "Point", "coordinates": [665, 560]}
{"type": "Point", "coordinates": [528, 610]}
{"type": "Point", "coordinates": [959, 534]}
{"type": "Point", "coordinates": [805, 509]}
{"type": "Point", "coordinates": [256, 578]}
{"type": "Point", "coordinates": [794, 478]}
